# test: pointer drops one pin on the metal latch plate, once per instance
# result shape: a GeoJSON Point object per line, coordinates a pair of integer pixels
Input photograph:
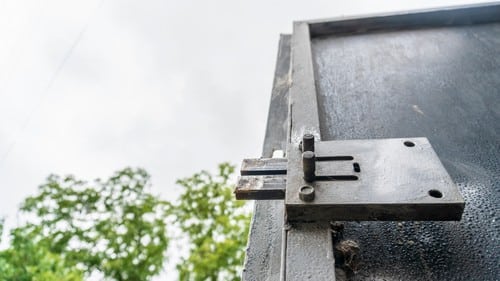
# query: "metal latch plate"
{"type": "Point", "coordinates": [376, 179]}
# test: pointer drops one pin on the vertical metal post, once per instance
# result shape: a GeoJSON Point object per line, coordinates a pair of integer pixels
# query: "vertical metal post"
{"type": "Point", "coordinates": [307, 258]}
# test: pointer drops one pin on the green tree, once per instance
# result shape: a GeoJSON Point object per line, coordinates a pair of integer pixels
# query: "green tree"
{"type": "Point", "coordinates": [216, 226]}
{"type": "Point", "coordinates": [27, 261]}
{"type": "Point", "coordinates": [115, 227]}
{"type": "Point", "coordinates": [118, 228]}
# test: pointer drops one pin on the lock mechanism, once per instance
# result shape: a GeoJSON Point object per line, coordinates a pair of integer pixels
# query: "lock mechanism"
{"type": "Point", "coordinates": [375, 179]}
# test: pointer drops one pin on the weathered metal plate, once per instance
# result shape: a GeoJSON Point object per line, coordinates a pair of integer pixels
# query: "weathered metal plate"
{"type": "Point", "coordinates": [398, 179]}
{"type": "Point", "coordinates": [260, 187]}
{"type": "Point", "coordinates": [262, 179]}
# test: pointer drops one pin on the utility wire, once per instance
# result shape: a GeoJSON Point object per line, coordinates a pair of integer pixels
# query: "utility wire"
{"type": "Point", "coordinates": [51, 82]}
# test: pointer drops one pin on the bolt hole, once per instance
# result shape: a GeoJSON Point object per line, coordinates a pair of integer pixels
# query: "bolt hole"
{"type": "Point", "coordinates": [356, 167]}
{"type": "Point", "coordinates": [409, 143]}
{"type": "Point", "coordinates": [435, 193]}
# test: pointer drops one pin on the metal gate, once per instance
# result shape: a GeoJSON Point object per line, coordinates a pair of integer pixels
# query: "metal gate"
{"type": "Point", "coordinates": [379, 129]}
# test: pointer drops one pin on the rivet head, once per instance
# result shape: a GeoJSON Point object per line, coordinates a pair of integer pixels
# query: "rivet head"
{"type": "Point", "coordinates": [306, 193]}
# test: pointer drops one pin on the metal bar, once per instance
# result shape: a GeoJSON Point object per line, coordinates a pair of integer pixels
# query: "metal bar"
{"type": "Point", "coordinates": [304, 117]}
{"type": "Point", "coordinates": [263, 166]}
{"type": "Point", "coordinates": [261, 188]}
{"type": "Point", "coordinates": [303, 102]}
{"type": "Point", "coordinates": [309, 165]}
{"type": "Point", "coordinates": [262, 179]}
{"type": "Point", "coordinates": [309, 255]}
{"type": "Point", "coordinates": [437, 17]}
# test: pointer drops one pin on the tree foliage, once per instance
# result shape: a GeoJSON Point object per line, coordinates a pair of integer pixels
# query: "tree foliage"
{"type": "Point", "coordinates": [119, 229]}
{"type": "Point", "coordinates": [216, 224]}
{"type": "Point", "coordinates": [115, 226]}
{"type": "Point", "coordinates": [29, 261]}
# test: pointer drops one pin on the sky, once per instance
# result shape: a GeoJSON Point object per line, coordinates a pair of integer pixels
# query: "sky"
{"type": "Point", "coordinates": [92, 86]}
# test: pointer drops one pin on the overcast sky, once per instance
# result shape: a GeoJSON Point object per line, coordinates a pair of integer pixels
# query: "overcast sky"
{"type": "Point", "coordinates": [89, 87]}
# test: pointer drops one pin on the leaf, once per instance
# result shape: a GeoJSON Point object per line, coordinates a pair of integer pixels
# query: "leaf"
{"type": "Point", "coordinates": [216, 226]}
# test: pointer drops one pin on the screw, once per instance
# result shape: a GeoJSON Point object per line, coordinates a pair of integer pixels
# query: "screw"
{"type": "Point", "coordinates": [306, 193]}
{"type": "Point", "coordinates": [308, 142]}
{"type": "Point", "coordinates": [309, 165]}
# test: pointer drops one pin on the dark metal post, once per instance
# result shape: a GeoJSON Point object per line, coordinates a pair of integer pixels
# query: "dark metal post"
{"type": "Point", "coordinates": [309, 165]}
{"type": "Point", "coordinates": [308, 142]}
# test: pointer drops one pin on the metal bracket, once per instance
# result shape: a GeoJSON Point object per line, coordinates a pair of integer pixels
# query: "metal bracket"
{"type": "Point", "coordinates": [377, 179]}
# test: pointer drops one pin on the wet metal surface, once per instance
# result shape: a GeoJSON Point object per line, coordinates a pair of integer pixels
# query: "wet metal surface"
{"type": "Point", "coordinates": [442, 83]}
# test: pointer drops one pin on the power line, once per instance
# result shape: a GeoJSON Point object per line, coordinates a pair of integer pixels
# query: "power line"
{"type": "Point", "coordinates": [51, 82]}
